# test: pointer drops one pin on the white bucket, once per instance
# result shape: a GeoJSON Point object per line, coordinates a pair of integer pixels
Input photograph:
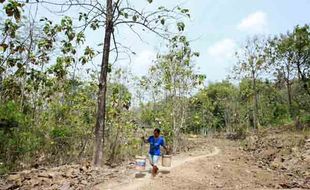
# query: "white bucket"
{"type": "Point", "coordinates": [140, 163]}
{"type": "Point", "coordinates": [166, 160]}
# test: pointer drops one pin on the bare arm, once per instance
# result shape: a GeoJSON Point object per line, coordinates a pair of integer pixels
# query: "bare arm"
{"type": "Point", "coordinates": [166, 147]}
{"type": "Point", "coordinates": [144, 140]}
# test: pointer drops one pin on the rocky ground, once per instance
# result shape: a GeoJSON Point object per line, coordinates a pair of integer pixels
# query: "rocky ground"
{"type": "Point", "coordinates": [230, 168]}
{"type": "Point", "coordinates": [270, 159]}
{"type": "Point", "coordinates": [285, 151]}
{"type": "Point", "coordinates": [64, 178]}
{"type": "Point", "coordinates": [69, 177]}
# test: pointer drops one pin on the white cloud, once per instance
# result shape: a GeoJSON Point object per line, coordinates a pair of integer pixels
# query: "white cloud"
{"type": "Point", "coordinates": [254, 23]}
{"type": "Point", "coordinates": [142, 62]}
{"type": "Point", "coordinates": [220, 59]}
{"type": "Point", "coordinates": [222, 50]}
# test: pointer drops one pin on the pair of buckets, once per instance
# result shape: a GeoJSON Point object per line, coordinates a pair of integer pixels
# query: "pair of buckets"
{"type": "Point", "coordinates": [141, 162]}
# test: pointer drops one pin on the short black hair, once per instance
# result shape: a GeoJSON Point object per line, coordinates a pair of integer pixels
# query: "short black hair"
{"type": "Point", "coordinates": [157, 130]}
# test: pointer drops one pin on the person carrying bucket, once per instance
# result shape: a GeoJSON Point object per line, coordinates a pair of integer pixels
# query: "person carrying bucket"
{"type": "Point", "coordinates": [155, 142]}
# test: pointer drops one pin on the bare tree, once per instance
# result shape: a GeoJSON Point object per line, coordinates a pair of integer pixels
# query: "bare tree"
{"type": "Point", "coordinates": [251, 64]}
{"type": "Point", "coordinates": [282, 61]}
{"type": "Point", "coordinates": [111, 15]}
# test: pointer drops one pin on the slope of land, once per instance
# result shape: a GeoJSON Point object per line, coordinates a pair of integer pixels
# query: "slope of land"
{"type": "Point", "coordinates": [274, 159]}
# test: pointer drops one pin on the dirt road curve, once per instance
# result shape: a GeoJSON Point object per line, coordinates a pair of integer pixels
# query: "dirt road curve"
{"type": "Point", "coordinates": [223, 166]}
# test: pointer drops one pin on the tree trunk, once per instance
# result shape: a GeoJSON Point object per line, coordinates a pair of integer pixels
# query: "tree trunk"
{"type": "Point", "coordinates": [255, 107]}
{"type": "Point", "coordinates": [289, 97]}
{"type": "Point", "coordinates": [302, 78]}
{"type": "Point", "coordinates": [100, 120]}
{"type": "Point", "coordinates": [23, 82]}
{"type": "Point", "coordinates": [287, 79]}
{"type": "Point", "coordinates": [175, 103]}
{"type": "Point", "coordinates": [174, 127]}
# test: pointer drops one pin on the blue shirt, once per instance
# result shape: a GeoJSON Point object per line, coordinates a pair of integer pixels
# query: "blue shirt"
{"type": "Point", "coordinates": [155, 144]}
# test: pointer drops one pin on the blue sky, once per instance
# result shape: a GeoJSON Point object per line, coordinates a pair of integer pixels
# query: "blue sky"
{"type": "Point", "coordinates": [219, 27]}
{"type": "Point", "coordinates": [225, 24]}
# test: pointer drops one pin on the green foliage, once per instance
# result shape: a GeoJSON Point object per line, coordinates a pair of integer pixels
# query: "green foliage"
{"type": "Point", "coordinates": [213, 108]}
{"type": "Point", "coordinates": [13, 9]}
{"type": "Point", "coordinates": [46, 117]}
{"type": "Point", "coordinates": [170, 81]}
{"type": "Point", "coordinates": [10, 112]}
{"type": "Point", "coordinates": [54, 108]}
{"type": "Point", "coordinates": [48, 109]}
{"type": "Point", "coordinates": [16, 139]}
{"type": "Point", "coordinates": [306, 119]}
{"type": "Point", "coordinates": [273, 108]}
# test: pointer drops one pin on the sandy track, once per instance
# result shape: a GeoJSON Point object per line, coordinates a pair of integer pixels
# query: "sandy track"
{"type": "Point", "coordinates": [139, 183]}
{"type": "Point", "coordinates": [226, 166]}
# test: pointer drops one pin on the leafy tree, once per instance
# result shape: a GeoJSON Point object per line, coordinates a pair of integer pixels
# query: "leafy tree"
{"type": "Point", "coordinates": [215, 107]}
{"type": "Point", "coordinates": [301, 58]}
{"type": "Point", "coordinates": [290, 58]}
{"type": "Point", "coordinates": [36, 85]}
{"type": "Point", "coordinates": [251, 64]}
{"type": "Point", "coordinates": [284, 65]}
{"type": "Point", "coordinates": [176, 79]}
{"type": "Point", "coordinates": [111, 16]}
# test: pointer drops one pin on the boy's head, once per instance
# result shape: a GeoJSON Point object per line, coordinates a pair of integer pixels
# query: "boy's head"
{"type": "Point", "coordinates": [156, 132]}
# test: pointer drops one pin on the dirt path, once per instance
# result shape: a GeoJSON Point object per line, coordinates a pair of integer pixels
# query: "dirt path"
{"type": "Point", "coordinates": [143, 178]}
{"type": "Point", "coordinates": [220, 166]}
